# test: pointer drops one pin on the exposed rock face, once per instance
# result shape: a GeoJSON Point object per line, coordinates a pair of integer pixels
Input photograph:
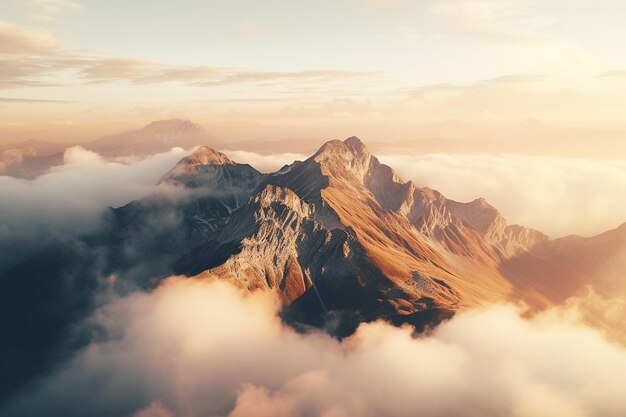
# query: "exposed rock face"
{"type": "Point", "coordinates": [340, 239]}
{"type": "Point", "coordinates": [215, 172]}
{"type": "Point", "coordinates": [202, 156]}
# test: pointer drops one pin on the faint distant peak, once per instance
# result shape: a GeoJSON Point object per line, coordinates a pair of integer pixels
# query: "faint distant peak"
{"type": "Point", "coordinates": [173, 125]}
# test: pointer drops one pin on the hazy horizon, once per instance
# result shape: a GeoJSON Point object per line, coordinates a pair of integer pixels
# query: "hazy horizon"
{"type": "Point", "coordinates": [472, 71]}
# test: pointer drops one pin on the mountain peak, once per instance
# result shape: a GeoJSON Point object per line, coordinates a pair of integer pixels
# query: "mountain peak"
{"type": "Point", "coordinates": [356, 146]}
{"type": "Point", "coordinates": [189, 166]}
{"type": "Point", "coordinates": [157, 136]}
{"type": "Point", "coordinates": [349, 149]}
{"type": "Point", "coordinates": [206, 167]}
{"type": "Point", "coordinates": [203, 155]}
{"type": "Point", "coordinates": [339, 158]}
{"type": "Point", "coordinates": [173, 125]}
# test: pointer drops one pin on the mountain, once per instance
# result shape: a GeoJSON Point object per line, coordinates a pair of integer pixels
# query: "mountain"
{"type": "Point", "coordinates": [338, 238]}
{"type": "Point", "coordinates": [341, 238]}
{"type": "Point", "coordinates": [158, 136]}
{"type": "Point", "coordinates": [560, 268]}
{"type": "Point", "coordinates": [341, 235]}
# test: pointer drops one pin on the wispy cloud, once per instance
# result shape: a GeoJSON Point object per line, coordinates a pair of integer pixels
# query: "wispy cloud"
{"type": "Point", "coordinates": [17, 40]}
{"type": "Point", "coordinates": [30, 57]}
{"type": "Point", "coordinates": [30, 100]}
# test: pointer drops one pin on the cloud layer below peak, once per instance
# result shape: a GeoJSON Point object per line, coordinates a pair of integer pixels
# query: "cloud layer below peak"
{"type": "Point", "coordinates": [203, 348]}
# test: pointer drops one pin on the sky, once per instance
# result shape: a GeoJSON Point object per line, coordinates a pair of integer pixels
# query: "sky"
{"type": "Point", "coordinates": [385, 70]}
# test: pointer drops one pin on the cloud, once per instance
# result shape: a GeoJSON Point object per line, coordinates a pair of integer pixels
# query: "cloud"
{"type": "Point", "coordinates": [138, 71]}
{"type": "Point", "coordinates": [203, 348]}
{"type": "Point", "coordinates": [22, 40]}
{"type": "Point", "coordinates": [70, 198]}
{"type": "Point", "coordinates": [605, 313]}
{"type": "Point", "coordinates": [32, 57]}
{"type": "Point", "coordinates": [558, 196]}
{"type": "Point", "coordinates": [30, 100]}
{"type": "Point", "coordinates": [48, 11]}
{"type": "Point", "coordinates": [85, 184]}
{"type": "Point", "coordinates": [523, 33]}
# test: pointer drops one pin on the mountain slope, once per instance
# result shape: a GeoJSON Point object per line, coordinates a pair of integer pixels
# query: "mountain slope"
{"type": "Point", "coordinates": [558, 269]}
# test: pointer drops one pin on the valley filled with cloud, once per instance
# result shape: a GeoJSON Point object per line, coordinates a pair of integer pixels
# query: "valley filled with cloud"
{"type": "Point", "coordinates": [205, 348]}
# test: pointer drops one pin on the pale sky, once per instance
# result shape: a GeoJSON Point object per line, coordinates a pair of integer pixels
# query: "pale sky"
{"type": "Point", "coordinates": [385, 70]}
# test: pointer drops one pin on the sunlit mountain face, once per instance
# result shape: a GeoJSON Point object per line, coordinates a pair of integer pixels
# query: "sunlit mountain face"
{"type": "Point", "coordinates": [339, 209]}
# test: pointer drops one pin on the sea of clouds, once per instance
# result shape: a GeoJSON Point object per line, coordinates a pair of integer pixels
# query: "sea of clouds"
{"type": "Point", "coordinates": [204, 348]}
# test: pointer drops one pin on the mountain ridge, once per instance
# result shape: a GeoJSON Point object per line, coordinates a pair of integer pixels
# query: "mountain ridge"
{"type": "Point", "coordinates": [421, 245]}
{"type": "Point", "coordinates": [419, 251]}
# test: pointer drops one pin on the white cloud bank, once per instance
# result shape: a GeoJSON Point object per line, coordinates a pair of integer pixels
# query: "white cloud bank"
{"type": "Point", "coordinates": [71, 194]}
{"type": "Point", "coordinates": [194, 348]}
